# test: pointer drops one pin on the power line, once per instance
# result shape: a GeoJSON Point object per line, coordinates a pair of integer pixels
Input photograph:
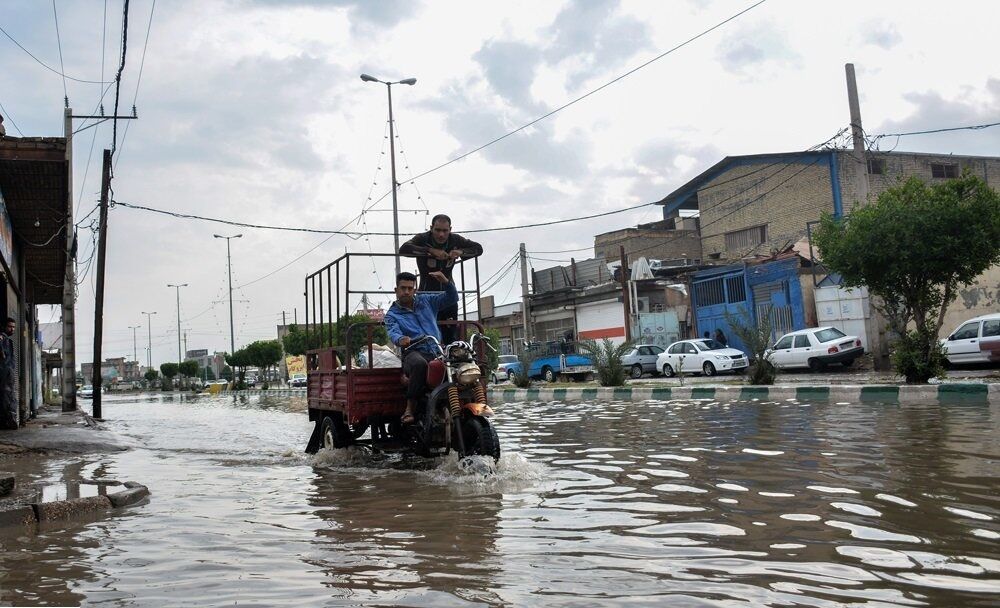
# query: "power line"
{"type": "Point", "coordinates": [45, 65]}
{"type": "Point", "coordinates": [118, 79]}
{"type": "Point", "coordinates": [142, 62]}
{"type": "Point", "coordinates": [7, 114]}
{"type": "Point", "coordinates": [945, 130]}
{"type": "Point", "coordinates": [588, 94]}
{"type": "Point", "coordinates": [62, 67]}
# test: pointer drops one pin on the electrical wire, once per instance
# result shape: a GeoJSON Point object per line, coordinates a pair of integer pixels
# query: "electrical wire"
{"type": "Point", "coordinates": [62, 67]}
{"type": "Point", "coordinates": [142, 63]}
{"type": "Point", "coordinates": [118, 79]}
{"type": "Point", "coordinates": [589, 93]}
{"type": "Point", "coordinates": [945, 130]}
{"type": "Point", "coordinates": [44, 65]}
{"type": "Point", "coordinates": [7, 114]}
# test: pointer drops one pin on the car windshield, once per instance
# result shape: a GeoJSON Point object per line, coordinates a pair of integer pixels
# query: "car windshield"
{"type": "Point", "coordinates": [710, 345]}
{"type": "Point", "coordinates": [830, 333]}
{"type": "Point", "coordinates": [508, 359]}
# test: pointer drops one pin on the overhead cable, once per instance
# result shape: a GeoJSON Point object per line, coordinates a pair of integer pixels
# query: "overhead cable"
{"type": "Point", "coordinates": [46, 66]}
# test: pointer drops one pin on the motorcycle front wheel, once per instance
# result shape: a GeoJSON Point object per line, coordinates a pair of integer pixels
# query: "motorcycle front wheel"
{"type": "Point", "coordinates": [480, 438]}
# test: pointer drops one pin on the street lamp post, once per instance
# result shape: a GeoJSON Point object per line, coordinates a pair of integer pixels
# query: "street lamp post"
{"type": "Point", "coordinates": [392, 158]}
{"type": "Point", "coordinates": [179, 359]}
{"type": "Point", "coordinates": [135, 351]}
{"type": "Point", "coordinates": [229, 266]}
{"type": "Point", "coordinates": [149, 348]}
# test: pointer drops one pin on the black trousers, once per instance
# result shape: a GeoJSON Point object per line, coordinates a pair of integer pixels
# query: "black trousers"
{"type": "Point", "coordinates": [415, 368]}
{"type": "Point", "coordinates": [449, 333]}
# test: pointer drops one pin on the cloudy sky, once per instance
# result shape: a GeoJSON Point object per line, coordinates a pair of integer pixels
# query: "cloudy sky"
{"type": "Point", "coordinates": [252, 110]}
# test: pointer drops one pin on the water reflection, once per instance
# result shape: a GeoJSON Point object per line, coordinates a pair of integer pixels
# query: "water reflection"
{"type": "Point", "coordinates": [670, 503]}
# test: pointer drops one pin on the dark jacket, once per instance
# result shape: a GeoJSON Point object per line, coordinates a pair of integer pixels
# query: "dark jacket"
{"type": "Point", "coordinates": [418, 247]}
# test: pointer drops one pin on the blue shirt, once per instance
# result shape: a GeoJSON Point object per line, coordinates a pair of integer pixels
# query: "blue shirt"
{"type": "Point", "coordinates": [422, 320]}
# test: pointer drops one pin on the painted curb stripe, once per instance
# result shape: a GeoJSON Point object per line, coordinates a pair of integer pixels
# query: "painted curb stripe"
{"type": "Point", "coordinates": [559, 394]}
{"type": "Point", "coordinates": [701, 392]}
{"type": "Point", "coordinates": [812, 393]}
{"type": "Point", "coordinates": [964, 393]}
{"type": "Point", "coordinates": [754, 392]}
{"type": "Point", "coordinates": [664, 394]}
{"type": "Point", "coordinates": [887, 394]}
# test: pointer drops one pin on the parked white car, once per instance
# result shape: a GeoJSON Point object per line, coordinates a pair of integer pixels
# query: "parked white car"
{"type": "Point", "coordinates": [975, 341]}
{"type": "Point", "coordinates": [86, 392]}
{"type": "Point", "coordinates": [642, 360]}
{"type": "Point", "coordinates": [503, 371]}
{"type": "Point", "coordinates": [815, 348]}
{"type": "Point", "coordinates": [703, 356]}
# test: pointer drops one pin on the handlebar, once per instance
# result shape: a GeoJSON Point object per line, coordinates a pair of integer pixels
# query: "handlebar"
{"type": "Point", "coordinates": [421, 340]}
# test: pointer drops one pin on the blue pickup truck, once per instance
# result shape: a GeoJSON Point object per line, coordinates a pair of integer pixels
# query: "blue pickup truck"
{"type": "Point", "coordinates": [552, 360]}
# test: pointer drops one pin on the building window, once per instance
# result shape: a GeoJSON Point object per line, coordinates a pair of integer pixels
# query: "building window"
{"type": "Point", "coordinates": [876, 166]}
{"type": "Point", "coordinates": [944, 171]}
{"type": "Point", "coordinates": [746, 238]}
{"type": "Point", "coordinates": [709, 293]}
{"type": "Point", "coordinates": [735, 289]}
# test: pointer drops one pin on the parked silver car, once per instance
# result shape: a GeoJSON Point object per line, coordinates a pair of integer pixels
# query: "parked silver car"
{"type": "Point", "coordinates": [503, 371]}
{"type": "Point", "coordinates": [642, 360]}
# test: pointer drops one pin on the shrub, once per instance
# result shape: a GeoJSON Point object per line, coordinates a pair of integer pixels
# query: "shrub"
{"type": "Point", "coordinates": [756, 336]}
{"type": "Point", "coordinates": [918, 356]}
{"type": "Point", "coordinates": [521, 379]}
{"type": "Point", "coordinates": [607, 360]}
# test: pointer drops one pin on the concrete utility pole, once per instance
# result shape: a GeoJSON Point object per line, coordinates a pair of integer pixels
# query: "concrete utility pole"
{"type": "Point", "coordinates": [135, 351]}
{"type": "Point", "coordinates": [625, 295]}
{"type": "Point", "coordinates": [858, 137]}
{"type": "Point", "coordinates": [149, 334]}
{"type": "Point", "coordinates": [102, 244]}
{"type": "Point", "coordinates": [525, 301]}
{"type": "Point", "coordinates": [69, 282]}
{"type": "Point", "coordinates": [229, 266]}
{"type": "Point", "coordinates": [179, 356]}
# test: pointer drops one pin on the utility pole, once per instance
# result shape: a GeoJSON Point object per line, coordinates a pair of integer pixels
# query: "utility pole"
{"type": "Point", "coordinates": [149, 348]}
{"type": "Point", "coordinates": [625, 295]}
{"type": "Point", "coordinates": [295, 316]}
{"type": "Point", "coordinates": [525, 302]}
{"type": "Point", "coordinates": [858, 138]}
{"type": "Point", "coordinates": [69, 277]}
{"type": "Point", "coordinates": [185, 341]}
{"type": "Point", "coordinates": [229, 266]}
{"type": "Point", "coordinates": [179, 358]}
{"type": "Point", "coordinates": [102, 245]}
{"type": "Point", "coordinates": [69, 282]}
{"type": "Point", "coordinates": [135, 351]}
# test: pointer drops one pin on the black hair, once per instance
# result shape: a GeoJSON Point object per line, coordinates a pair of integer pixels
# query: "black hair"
{"type": "Point", "coordinates": [405, 276]}
{"type": "Point", "coordinates": [440, 216]}
{"type": "Point", "coordinates": [12, 320]}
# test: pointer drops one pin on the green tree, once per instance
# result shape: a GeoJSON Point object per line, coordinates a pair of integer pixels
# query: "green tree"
{"type": "Point", "coordinates": [914, 248]}
{"type": "Point", "coordinates": [169, 370]}
{"type": "Point", "coordinates": [227, 373]}
{"type": "Point", "coordinates": [359, 337]}
{"type": "Point", "coordinates": [264, 354]}
{"type": "Point", "coordinates": [239, 361]}
{"type": "Point", "coordinates": [493, 354]}
{"type": "Point", "coordinates": [296, 342]}
{"type": "Point", "coordinates": [209, 374]}
{"type": "Point", "coordinates": [188, 369]}
{"type": "Point", "coordinates": [607, 360]}
{"type": "Point", "coordinates": [758, 339]}
{"type": "Point", "coordinates": [151, 375]}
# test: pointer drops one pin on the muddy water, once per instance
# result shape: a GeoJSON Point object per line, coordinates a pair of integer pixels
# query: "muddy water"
{"type": "Point", "coordinates": [657, 503]}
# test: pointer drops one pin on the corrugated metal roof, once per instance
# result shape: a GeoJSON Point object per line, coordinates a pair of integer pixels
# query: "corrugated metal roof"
{"type": "Point", "coordinates": [587, 273]}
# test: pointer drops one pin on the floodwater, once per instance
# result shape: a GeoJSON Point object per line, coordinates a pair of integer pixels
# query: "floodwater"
{"type": "Point", "coordinates": [681, 503]}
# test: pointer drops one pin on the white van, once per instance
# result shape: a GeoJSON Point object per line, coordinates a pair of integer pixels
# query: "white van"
{"type": "Point", "coordinates": [975, 341]}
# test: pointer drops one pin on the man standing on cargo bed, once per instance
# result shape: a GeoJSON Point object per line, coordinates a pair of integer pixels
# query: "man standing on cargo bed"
{"type": "Point", "coordinates": [414, 315]}
{"type": "Point", "coordinates": [436, 250]}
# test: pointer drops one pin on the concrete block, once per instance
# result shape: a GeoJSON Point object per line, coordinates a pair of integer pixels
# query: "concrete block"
{"type": "Point", "coordinates": [128, 497]}
{"type": "Point", "coordinates": [7, 483]}
{"type": "Point", "coordinates": [63, 509]}
{"type": "Point", "coordinates": [18, 516]}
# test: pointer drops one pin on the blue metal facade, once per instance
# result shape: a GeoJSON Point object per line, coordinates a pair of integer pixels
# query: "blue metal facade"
{"type": "Point", "coordinates": [732, 289]}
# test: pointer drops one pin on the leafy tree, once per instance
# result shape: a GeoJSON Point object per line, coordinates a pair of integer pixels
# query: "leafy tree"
{"type": "Point", "coordinates": [607, 360]}
{"type": "Point", "coordinates": [914, 248]}
{"type": "Point", "coordinates": [226, 373]}
{"type": "Point", "coordinates": [522, 377]}
{"type": "Point", "coordinates": [359, 337]}
{"type": "Point", "coordinates": [263, 354]}
{"type": "Point", "coordinates": [151, 375]}
{"type": "Point", "coordinates": [209, 373]}
{"type": "Point", "coordinates": [169, 370]}
{"type": "Point", "coordinates": [188, 369]}
{"type": "Point", "coordinates": [758, 339]}
{"type": "Point", "coordinates": [239, 361]}
{"type": "Point", "coordinates": [297, 343]}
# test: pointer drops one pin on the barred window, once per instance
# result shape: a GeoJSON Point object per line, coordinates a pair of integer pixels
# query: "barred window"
{"type": "Point", "coordinates": [876, 166]}
{"type": "Point", "coordinates": [709, 293]}
{"type": "Point", "coordinates": [748, 237]}
{"type": "Point", "coordinates": [944, 171]}
{"type": "Point", "coordinates": [735, 289]}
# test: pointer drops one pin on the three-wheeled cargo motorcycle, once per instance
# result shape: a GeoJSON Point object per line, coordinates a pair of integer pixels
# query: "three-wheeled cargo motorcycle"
{"type": "Point", "coordinates": [362, 404]}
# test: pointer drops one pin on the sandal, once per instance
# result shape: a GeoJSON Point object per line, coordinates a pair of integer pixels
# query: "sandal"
{"type": "Point", "coordinates": [407, 418]}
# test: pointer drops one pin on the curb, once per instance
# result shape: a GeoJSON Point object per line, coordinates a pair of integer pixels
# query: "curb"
{"type": "Point", "coordinates": [277, 392]}
{"type": "Point", "coordinates": [66, 509]}
{"type": "Point", "coordinates": [941, 394]}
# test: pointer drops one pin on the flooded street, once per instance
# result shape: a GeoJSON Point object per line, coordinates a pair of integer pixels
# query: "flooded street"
{"type": "Point", "coordinates": [692, 503]}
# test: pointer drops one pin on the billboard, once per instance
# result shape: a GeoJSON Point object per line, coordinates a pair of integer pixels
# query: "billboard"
{"type": "Point", "coordinates": [296, 364]}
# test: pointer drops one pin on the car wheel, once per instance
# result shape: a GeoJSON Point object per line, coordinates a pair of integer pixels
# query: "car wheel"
{"type": "Point", "coordinates": [848, 363]}
{"type": "Point", "coordinates": [493, 377]}
{"type": "Point", "coordinates": [549, 374]}
{"type": "Point", "coordinates": [815, 365]}
{"type": "Point", "coordinates": [636, 372]}
{"type": "Point", "coordinates": [668, 371]}
{"type": "Point", "coordinates": [510, 375]}
{"type": "Point", "coordinates": [589, 377]}
{"type": "Point", "coordinates": [708, 369]}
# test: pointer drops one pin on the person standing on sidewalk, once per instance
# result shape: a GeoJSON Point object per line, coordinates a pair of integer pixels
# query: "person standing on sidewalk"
{"type": "Point", "coordinates": [437, 250]}
{"type": "Point", "coordinates": [8, 371]}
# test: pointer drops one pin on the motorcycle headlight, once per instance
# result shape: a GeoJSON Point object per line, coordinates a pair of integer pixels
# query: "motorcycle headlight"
{"type": "Point", "coordinates": [468, 373]}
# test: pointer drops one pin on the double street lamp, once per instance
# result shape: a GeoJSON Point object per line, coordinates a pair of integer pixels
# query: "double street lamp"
{"type": "Point", "coordinates": [229, 266]}
{"type": "Point", "coordinates": [179, 359]}
{"type": "Point", "coordinates": [392, 157]}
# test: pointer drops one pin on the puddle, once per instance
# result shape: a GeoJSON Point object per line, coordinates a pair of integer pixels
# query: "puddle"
{"type": "Point", "coordinates": [69, 490]}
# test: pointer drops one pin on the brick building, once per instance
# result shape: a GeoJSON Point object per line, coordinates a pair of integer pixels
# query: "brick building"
{"type": "Point", "coordinates": [675, 240]}
{"type": "Point", "coordinates": [762, 204]}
